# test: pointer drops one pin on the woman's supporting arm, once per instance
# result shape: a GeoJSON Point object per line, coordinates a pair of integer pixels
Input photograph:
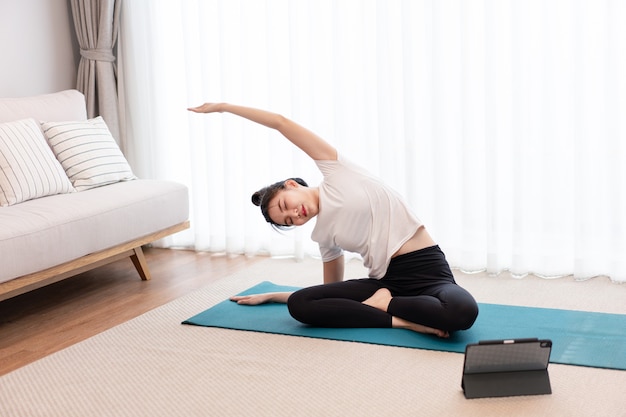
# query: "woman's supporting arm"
{"type": "Point", "coordinates": [311, 144]}
{"type": "Point", "coordinates": [256, 299]}
{"type": "Point", "coordinates": [333, 270]}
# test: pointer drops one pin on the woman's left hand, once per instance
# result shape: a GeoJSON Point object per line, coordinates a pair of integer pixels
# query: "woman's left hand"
{"type": "Point", "coordinates": [256, 299]}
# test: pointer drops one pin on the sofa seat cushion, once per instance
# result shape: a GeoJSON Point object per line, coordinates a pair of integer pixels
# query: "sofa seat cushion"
{"type": "Point", "coordinates": [45, 232]}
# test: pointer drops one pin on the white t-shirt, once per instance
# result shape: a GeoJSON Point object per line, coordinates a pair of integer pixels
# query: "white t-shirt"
{"type": "Point", "coordinates": [359, 213]}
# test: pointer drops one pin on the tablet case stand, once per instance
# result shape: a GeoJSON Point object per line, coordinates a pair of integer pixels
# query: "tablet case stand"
{"type": "Point", "coordinates": [506, 368]}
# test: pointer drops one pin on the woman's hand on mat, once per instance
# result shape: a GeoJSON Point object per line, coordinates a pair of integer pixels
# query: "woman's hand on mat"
{"type": "Point", "coordinates": [256, 299]}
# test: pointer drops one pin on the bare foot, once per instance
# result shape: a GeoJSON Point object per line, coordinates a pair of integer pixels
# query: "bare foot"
{"type": "Point", "coordinates": [380, 299]}
{"type": "Point", "coordinates": [398, 323]}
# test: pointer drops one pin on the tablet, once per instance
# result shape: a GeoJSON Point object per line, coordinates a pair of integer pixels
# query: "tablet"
{"type": "Point", "coordinates": [500, 368]}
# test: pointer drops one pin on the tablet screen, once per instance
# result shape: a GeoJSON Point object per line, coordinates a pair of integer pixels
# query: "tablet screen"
{"type": "Point", "coordinates": [507, 356]}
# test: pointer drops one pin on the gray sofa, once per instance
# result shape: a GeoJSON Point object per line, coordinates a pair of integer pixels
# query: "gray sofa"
{"type": "Point", "coordinates": [52, 237]}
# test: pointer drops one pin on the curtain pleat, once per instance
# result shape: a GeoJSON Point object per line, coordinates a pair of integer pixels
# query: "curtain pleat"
{"type": "Point", "coordinates": [500, 121]}
{"type": "Point", "coordinates": [97, 26]}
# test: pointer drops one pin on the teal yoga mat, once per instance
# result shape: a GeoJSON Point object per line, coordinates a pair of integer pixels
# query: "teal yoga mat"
{"type": "Point", "coordinates": [579, 337]}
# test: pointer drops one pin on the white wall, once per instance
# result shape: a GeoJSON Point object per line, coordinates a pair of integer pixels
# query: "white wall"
{"type": "Point", "coordinates": [38, 49]}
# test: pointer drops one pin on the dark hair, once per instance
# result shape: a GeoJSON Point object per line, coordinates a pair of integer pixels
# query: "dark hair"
{"type": "Point", "coordinates": [263, 197]}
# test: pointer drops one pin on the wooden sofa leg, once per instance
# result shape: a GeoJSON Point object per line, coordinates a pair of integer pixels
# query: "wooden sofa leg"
{"type": "Point", "coordinates": [140, 263]}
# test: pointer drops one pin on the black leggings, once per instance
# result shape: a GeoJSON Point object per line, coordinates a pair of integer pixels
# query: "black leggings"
{"type": "Point", "coordinates": [423, 290]}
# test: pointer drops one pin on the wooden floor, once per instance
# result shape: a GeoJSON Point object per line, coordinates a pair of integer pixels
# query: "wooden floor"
{"type": "Point", "coordinates": [46, 320]}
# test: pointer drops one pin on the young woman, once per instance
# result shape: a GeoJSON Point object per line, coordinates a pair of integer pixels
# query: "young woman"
{"type": "Point", "coordinates": [410, 283]}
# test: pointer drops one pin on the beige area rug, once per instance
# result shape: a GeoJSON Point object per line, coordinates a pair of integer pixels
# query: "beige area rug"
{"type": "Point", "coordinates": [154, 366]}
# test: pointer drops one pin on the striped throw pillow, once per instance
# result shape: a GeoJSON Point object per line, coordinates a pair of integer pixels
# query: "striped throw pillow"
{"type": "Point", "coordinates": [87, 152]}
{"type": "Point", "coordinates": [28, 168]}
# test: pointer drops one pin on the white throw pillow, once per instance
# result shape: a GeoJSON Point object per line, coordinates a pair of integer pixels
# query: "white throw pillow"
{"type": "Point", "coordinates": [28, 168]}
{"type": "Point", "coordinates": [87, 152]}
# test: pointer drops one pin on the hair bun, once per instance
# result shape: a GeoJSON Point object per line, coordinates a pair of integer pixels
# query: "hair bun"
{"type": "Point", "coordinates": [300, 181]}
{"type": "Point", "coordinates": [257, 198]}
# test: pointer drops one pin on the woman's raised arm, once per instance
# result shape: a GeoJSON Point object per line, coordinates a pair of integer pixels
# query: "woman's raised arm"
{"type": "Point", "coordinates": [313, 145]}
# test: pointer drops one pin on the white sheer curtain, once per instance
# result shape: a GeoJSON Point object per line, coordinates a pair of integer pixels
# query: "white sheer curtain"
{"type": "Point", "coordinates": [502, 122]}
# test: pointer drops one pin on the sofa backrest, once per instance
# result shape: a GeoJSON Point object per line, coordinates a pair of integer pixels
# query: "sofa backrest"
{"type": "Point", "coordinates": [55, 107]}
